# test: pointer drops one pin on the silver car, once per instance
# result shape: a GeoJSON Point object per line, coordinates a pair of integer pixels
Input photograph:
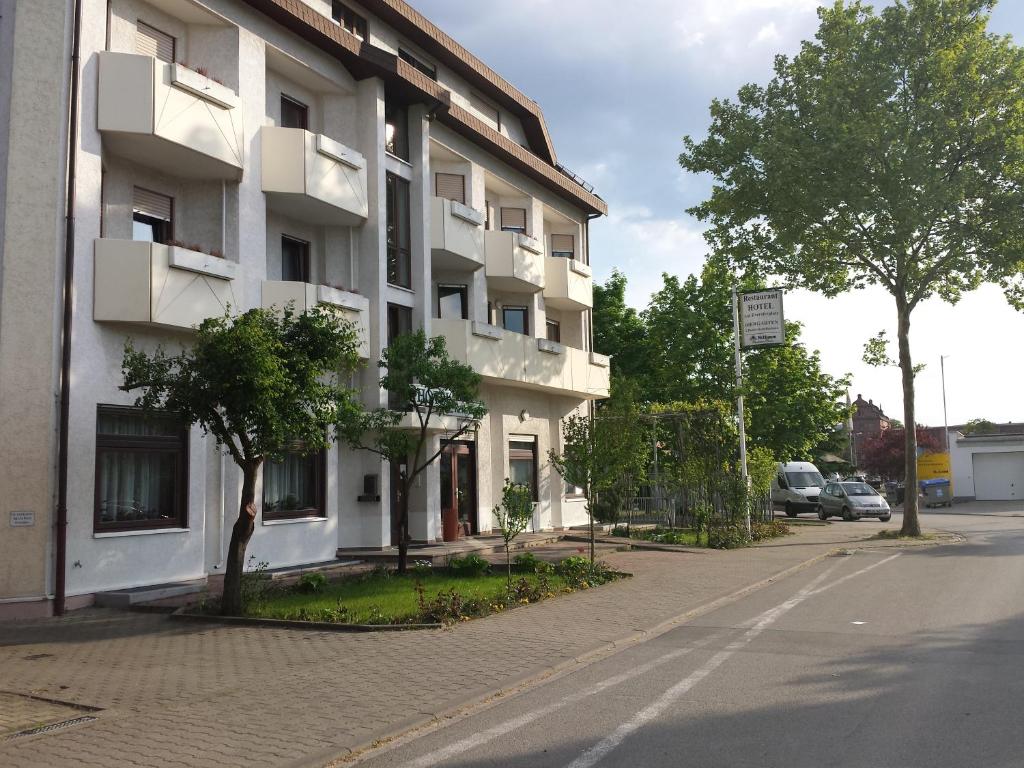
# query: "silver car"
{"type": "Point", "coordinates": [852, 500]}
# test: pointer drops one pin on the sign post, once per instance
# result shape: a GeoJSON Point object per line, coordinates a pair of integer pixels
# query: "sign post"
{"type": "Point", "coordinates": [757, 321]}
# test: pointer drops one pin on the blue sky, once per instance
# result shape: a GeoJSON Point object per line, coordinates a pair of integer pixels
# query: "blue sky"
{"type": "Point", "coordinates": [620, 85]}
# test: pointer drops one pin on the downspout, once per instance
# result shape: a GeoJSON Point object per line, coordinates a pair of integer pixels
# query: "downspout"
{"type": "Point", "coordinates": [61, 525]}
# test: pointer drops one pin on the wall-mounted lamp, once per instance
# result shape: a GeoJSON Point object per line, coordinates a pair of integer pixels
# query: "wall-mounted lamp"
{"type": "Point", "coordinates": [524, 415]}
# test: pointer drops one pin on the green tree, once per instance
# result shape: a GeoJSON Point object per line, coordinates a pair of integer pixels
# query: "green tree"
{"type": "Point", "coordinates": [618, 329]}
{"type": "Point", "coordinates": [429, 394]}
{"type": "Point", "coordinates": [886, 152]}
{"type": "Point", "coordinates": [980, 427]}
{"type": "Point", "coordinates": [513, 514]}
{"type": "Point", "coordinates": [260, 383]}
{"type": "Point", "coordinates": [597, 452]}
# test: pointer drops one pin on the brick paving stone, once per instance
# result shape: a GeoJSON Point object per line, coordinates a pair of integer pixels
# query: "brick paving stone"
{"type": "Point", "coordinates": [197, 695]}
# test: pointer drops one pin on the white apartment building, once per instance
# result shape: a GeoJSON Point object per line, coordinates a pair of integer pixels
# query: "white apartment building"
{"type": "Point", "coordinates": [245, 153]}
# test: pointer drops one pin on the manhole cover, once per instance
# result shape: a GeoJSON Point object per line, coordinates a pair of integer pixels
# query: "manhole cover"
{"type": "Point", "coordinates": [25, 715]}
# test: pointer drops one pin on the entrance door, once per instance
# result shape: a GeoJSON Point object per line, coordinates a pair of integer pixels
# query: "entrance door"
{"type": "Point", "coordinates": [458, 491]}
{"type": "Point", "coordinates": [999, 476]}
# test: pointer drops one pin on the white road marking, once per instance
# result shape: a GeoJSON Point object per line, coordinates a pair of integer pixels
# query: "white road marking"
{"type": "Point", "coordinates": [596, 753]}
{"type": "Point", "coordinates": [858, 622]}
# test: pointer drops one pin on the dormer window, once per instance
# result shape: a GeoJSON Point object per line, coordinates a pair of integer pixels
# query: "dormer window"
{"type": "Point", "coordinates": [349, 19]}
{"type": "Point", "coordinates": [427, 69]}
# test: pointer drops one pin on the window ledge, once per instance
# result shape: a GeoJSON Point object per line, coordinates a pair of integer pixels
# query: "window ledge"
{"type": "Point", "coordinates": [398, 159]}
{"type": "Point", "coordinates": [146, 532]}
{"type": "Point", "coordinates": [292, 520]}
{"type": "Point", "coordinates": [402, 288]}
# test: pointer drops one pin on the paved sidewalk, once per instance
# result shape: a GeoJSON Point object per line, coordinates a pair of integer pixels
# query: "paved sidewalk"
{"type": "Point", "coordinates": [207, 695]}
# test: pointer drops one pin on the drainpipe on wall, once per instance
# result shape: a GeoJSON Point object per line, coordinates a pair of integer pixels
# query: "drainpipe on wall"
{"type": "Point", "coordinates": [61, 525]}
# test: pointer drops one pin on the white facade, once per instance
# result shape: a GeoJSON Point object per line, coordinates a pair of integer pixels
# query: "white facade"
{"type": "Point", "coordinates": [209, 131]}
{"type": "Point", "coordinates": [987, 467]}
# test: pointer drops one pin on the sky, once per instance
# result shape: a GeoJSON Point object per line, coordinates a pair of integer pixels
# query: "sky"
{"type": "Point", "coordinates": [621, 84]}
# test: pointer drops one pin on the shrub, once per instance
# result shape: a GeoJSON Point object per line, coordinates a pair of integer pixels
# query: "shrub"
{"type": "Point", "coordinates": [421, 568]}
{"type": "Point", "coordinates": [311, 583]}
{"type": "Point", "coordinates": [769, 530]}
{"type": "Point", "coordinates": [255, 584]}
{"type": "Point", "coordinates": [527, 561]}
{"type": "Point", "coordinates": [470, 565]}
{"type": "Point", "coordinates": [727, 535]}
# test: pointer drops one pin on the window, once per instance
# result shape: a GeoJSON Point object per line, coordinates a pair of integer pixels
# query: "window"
{"type": "Point", "coordinates": [349, 19]}
{"type": "Point", "coordinates": [427, 69]}
{"type": "Point", "coordinates": [399, 254]}
{"type": "Point", "coordinates": [452, 303]}
{"type": "Point", "coordinates": [396, 130]}
{"type": "Point", "coordinates": [294, 486]}
{"type": "Point", "coordinates": [451, 186]}
{"type": "Point", "coordinates": [399, 321]}
{"type": "Point", "coordinates": [152, 216]}
{"type": "Point", "coordinates": [513, 220]}
{"type": "Point", "coordinates": [522, 463]}
{"type": "Point", "coordinates": [563, 246]}
{"type": "Point", "coordinates": [515, 319]}
{"type": "Point", "coordinates": [141, 470]}
{"type": "Point", "coordinates": [294, 259]}
{"type": "Point", "coordinates": [150, 41]}
{"type": "Point", "coordinates": [554, 331]}
{"type": "Point", "coordinates": [487, 112]}
{"type": "Point", "coordinates": [294, 114]}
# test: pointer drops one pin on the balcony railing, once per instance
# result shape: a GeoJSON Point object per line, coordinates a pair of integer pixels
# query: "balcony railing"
{"type": "Point", "coordinates": [514, 262]}
{"type": "Point", "coordinates": [166, 116]}
{"type": "Point", "coordinates": [456, 235]}
{"type": "Point", "coordinates": [278, 294]}
{"type": "Point", "coordinates": [513, 358]}
{"type": "Point", "coordinates": [313, 178]}
{"type": "Point", "coordinates": [567, 284]}
{"type": "Point", "coordinates": [163, 285]}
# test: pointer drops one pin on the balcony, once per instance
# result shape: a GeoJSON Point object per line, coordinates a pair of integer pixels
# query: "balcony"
{"type": "Point", "coordinates": [502, 357]}
{"type": "Point", "coordinates": [161, 285]}
{"type": "Point", "coordinates": [456, 235]}
{"type": "Point", "coordinates": [310, 177]}
{"type": "Point", "coordinates": [567, 284]}
{"type": "Point", "coordinates": [304, 296]}
{"type": "Point", "coordinates": [514, 262]}
{"type": "Point", "coordinates": [167, 117]}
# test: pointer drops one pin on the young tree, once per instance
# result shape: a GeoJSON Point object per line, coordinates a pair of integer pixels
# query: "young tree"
{"type": "Point", "coordinates": [886, 152]}
{"type": "Point", "coordinates": [260, 383]}
{"type": "Point", "coordinates": [885, 454]}
{"type": "Point", "coordinates": [598, 451]}
{"type": "Point", "coordinates": [513, 515]}
{"type": "Point", "coordinates": [437, 393]}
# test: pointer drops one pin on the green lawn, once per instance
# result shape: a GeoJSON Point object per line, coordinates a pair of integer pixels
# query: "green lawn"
{"type": "Point", "coordinates": [378, 598]}
{"type": "Point", "coordinates": [685, 536]}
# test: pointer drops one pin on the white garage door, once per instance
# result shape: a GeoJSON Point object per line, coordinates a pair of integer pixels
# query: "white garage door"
{"type": "Point", "coordinates": [999, 476]}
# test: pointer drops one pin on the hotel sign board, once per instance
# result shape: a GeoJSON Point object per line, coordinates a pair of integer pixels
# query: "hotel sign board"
{"type": "Point", "coordinates": [761, 321]}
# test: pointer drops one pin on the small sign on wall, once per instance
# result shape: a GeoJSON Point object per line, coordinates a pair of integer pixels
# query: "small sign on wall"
{"type": "Point", "coordinates": [22, 519]}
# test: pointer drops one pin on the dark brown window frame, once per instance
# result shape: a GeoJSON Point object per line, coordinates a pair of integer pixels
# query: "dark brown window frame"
{"type": "Point", "coordinates": [395, 252]}
{"type": "Point", "coordinates": [437, 185]}
{"type": "Point", "coordinates": [144, 443]}
{"type": "Point", "coordinates": [526, 317]}
{"type": "Point", "coordinates": [169, 235]}
{"type": "Point", "coordinates": [397, 116]}
{"type": "Point", "coordinates": [501, 220]}
{"type": "Point", "coordinates": [557, 326]}
{"type": "Point", "coordinates": [308, 270]}
{"type": "Point", "coordinates": [303, 108]}
{"type": "Point", "coordinates": [460, 288]}
{"type": "Point", "coordinates": [519, 454]}
{"type": "Point", "coordinates": [414, 61]}
{"type": "Point", "coordinates": [349, 20]}
{"type": "Point", "coordinates": [319, 512]}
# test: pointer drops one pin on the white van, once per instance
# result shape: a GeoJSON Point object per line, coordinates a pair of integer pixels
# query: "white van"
{"type": "Point", "coordinates": [796, 486]}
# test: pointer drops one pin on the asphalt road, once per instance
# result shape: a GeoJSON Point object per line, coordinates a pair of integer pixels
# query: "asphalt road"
{"type": "Point", "coordinates": [886, 657]}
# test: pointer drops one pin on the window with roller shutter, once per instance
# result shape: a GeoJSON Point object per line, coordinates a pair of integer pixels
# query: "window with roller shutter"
{"type": "Point", "coordinates": [152, 216]}
{"type": "Point", "coordinates": [513, 220]}
{"type": "Point", "coordinates": [451, 186]}
{"type": "Point", "coordinates": [150, 41]}
{"type": "Point", "coordinates": [563, 246]}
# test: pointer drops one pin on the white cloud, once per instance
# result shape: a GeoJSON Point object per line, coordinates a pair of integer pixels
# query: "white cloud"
{"type": "Point", "coordinates": [768, 32]}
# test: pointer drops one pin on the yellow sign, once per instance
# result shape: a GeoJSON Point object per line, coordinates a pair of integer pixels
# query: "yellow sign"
{"type": "Point", "coordinates": [933, 465]}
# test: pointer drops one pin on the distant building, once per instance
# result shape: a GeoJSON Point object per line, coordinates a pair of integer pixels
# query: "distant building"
{"type": "Point", "coordinates": [869, 420]}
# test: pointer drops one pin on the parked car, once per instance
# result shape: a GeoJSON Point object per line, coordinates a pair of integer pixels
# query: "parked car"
{"type": "Point", "coordinates": [852, 501]}
{"type": "Point", "coordinates": [796, 486]}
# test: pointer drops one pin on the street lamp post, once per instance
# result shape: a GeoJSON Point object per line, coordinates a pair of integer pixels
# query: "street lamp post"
{"type": "Point", "coordinates": [945, 419]}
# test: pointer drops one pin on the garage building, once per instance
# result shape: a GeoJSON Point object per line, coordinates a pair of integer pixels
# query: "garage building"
{"type": "Point", "coordinates": [988, 467]}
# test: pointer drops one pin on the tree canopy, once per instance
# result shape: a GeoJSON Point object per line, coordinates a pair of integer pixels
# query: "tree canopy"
{"type": "Point", "coordinates": [886, 152]}
{"type": "Point", "coordinates": [884, 454]}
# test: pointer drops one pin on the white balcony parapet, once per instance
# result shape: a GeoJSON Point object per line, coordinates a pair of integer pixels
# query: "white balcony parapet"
{"type": "Point", "coordinates": [602, 361]}
{"type": "Point", "coordinates": [312, 177]}
{"type": "Point", "coordinates": [525, 361]}
{"type": "Point", "coordinates": [511, 266]}
{"type": "Point", "coordinates": [279, 294]}
{"type": "Point", "coordinates": [567, 284]}
{"type": "Point", "coordinates": [487, 331]}
{"type": "Point", "coordinates": [456, 235]}
{"type": "Point", "coordinates": [168, 117]}
{"type": "Point", "coordinates": [141, 282]}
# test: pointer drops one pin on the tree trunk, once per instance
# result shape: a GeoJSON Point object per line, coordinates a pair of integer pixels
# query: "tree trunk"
{"type": "Point", "coordinates": [241, 532]}
{"type": "Point", "coordinates": [911, 524]}
{"type": "Point", "coordinates": [508, 563]}
{"type": "Point", "coordinates": [590, 514]}
{"type": "Point", "coordinates": [403, 525]}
